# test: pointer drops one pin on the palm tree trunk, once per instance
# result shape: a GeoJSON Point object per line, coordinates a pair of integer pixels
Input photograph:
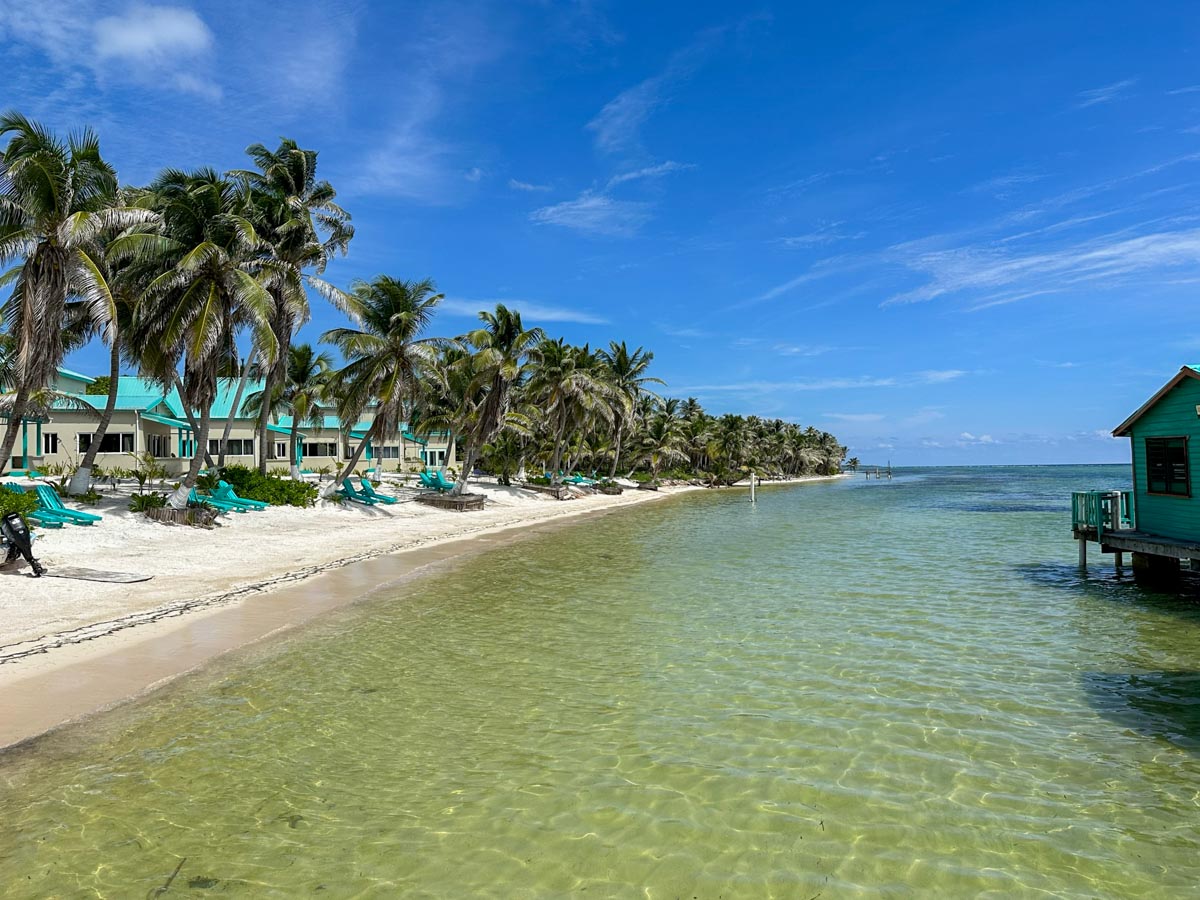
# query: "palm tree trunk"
{"type": "Point", "coordinates": [556, 468]}
{"type": "Point", "coordinates": [617, 451]}
{"type": "Point", "coordinates": [293, 439]}
{"type": "Point", "coordinates": [331, 489]}
{"type": "Point", "coordinates": [15, 414]}
{"type": "Point", "coordinates": [179, 498]}
{"type": "Point", "coordinates": [470, 454]}
{"type": "Point", "coordinates": [187, 414]}
{"type": "Point", "coordinates": [234, 409]}
{"type": "Point", "coordinates": [263, 416]}
{"type": "Point", "coordinates": [82, 478]}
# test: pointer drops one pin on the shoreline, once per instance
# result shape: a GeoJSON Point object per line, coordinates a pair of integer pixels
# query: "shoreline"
{"type": "Point", "coordinates": [58, 678]}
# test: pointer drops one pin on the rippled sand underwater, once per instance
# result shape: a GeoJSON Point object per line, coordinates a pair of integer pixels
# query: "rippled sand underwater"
{"type": "Point", "coordinates": [864, 689]}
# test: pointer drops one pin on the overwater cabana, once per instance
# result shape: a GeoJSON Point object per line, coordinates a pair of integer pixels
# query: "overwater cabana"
{"type": "Point", "coordinates": [1158, 522]}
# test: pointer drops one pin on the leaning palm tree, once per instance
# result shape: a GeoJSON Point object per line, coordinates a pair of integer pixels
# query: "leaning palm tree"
{"type": "Point", "coordinates": [500, 349]}
{"type": "Point", "coordinates": [54, 198]}
{"type": "Point", "coordinates": [302, 228]}
{"type": "Point", "coordinates": [663, 441]}
{"type": "Point", "coordinates": [567, 384]}
{"type": "Point", "coordinates": [211, 288]}
{"type": "Point", "coordinates": [306, 382]}
{"type": "Point", "coordinates": [627, 372]}
{"type": "Point", "coordinates": [385, 352]}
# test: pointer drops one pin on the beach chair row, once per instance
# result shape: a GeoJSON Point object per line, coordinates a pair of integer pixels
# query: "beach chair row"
{"type": "Point", "coordinates": [51, 512]}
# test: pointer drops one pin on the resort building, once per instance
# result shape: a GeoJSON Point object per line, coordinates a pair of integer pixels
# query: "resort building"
{"type": "Point", "coordinates": [1159, 520]}
{"type": "Point", "coordinates": [147, 420]}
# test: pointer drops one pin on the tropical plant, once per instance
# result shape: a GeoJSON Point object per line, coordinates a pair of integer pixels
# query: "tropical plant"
{"type": "Point", "coordinates": [566, 383]}
{"type": "Point", "coordinates": [385, 353]}
{"type": "Point", "coordinates": [306, 383]}
{"type": "Point", "coordinates": [142, 502]}
{"type": "Point", "coordinates": [55, 197]}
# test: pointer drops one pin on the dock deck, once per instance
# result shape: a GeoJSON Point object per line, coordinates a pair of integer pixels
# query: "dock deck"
{"type": "Point", "coordinates": [1108, 518]}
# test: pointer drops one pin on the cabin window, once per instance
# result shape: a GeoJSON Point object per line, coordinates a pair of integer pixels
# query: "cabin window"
{"type": "Point", "coordinates": [280, 451]}
{"type": "Point", "coordinates": [320, 448]}
{"type": "Point", "coordinates": [388, 452]}
{"type": "Point", "coordinates": [49, 442]}
{"type": "Point", "coordinates": [112, 443]}
{"type": "Point", "coordinates": [1167, 466]}
{"type": "Point", "coordinates": [159, 445]}
{"type": "Point", "coordinates": [233, 447]}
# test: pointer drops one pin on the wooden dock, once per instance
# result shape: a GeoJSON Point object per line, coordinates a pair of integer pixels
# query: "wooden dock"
{"type": "Point", "coordinates": [1107, 518]}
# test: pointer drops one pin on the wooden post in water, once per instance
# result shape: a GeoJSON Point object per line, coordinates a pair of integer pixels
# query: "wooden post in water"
{"type": "Point", "coordinates": [752, 499]}
{"type": "Point", "coordinates": [1083, 553]}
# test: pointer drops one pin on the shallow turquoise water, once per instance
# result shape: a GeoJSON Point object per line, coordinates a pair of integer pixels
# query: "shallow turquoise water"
{"type": "Point", "coordinates": [866, 689]}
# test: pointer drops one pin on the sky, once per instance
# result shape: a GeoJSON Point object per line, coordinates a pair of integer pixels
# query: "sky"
{"type": "Point", "coordinates": [947, 233]}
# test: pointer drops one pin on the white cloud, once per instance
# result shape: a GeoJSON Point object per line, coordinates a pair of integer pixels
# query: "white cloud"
{"type": "Point", "coordinates": [1105, 94]}
{"type": "Point", "coordinates": [1190, 89]}
{"type": "Point", "coordinates": [967, 439]}
{"type": "Point", "coordinates": [531, 312]}
{"type": "Point", "coordinates": [474, 174]}
{"type": "Point", "coordinates": [830, 384]}
{"type": "Point", "coordinates": [649, 172]}
{"type": "Point", "coordinates": [801, 349]}
{"type": "Point", "coordinates": [526, 186]}
{"type": "Point", "coordinates": [149, 35]}
{"type": "Point", "coordinates": [827, 233]}
{"type": "Point", "coordinates": [595, 214]}
{"type": "Point", "coordinates": [156, 46]}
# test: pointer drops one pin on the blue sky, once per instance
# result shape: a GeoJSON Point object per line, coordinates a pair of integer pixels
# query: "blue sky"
{"type": "Point", "coordinates": [958, 233]}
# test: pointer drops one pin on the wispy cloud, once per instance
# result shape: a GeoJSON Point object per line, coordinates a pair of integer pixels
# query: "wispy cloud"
{"type": "Point", "coordinates": [1004, 186]}
{"type": "Point", "coordinates": [996, 275]}
{"type": "Point", "coordinates": [655, 171]}
{"type": "Point", "coordinates": [1105, 94]}
{"type": "Point", "coordinates": [531, 312]}
{"type": "Point", "coordinates": [617, 126]}
{"type": "Point", "coordinates": [826, 233]}
{"type": "Point", "coordinates": [913, 379]}
{"type": "Point", "coordinates": [1190, 89]}
{"type": "Point", "coordinates": [527, 186]}
{"type": "Point", "coordinates": [855, 417]}
{"type": "Point", "coordinates": [595, 214]}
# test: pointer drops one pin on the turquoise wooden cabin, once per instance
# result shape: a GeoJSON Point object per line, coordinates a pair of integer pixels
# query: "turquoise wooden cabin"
{"type": "Point", "coordinates": [1159, 520]}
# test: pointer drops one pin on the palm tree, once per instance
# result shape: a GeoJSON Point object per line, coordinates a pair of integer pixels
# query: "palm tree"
{"type": "Point", "coordinates": [211, 288]}
{"type": "Point", "coordinates": [54, 198]}
{"type": "Point", "coordinates": [302, 227]}
{"type": "Point", "coordinates": [125, 263]}
{"type": "Point", "coordinates": [627, 372]}
{"type": "Point", "coordinates": [567, 384]}
{"type": "Point", "coordinates": [306, 382]}
{"type": "Point", "coordinates": [384, 354]}
{"type": "Point", "coordinates": [663, 441]}
{"type": "Point", "coordinates": [500, 348]}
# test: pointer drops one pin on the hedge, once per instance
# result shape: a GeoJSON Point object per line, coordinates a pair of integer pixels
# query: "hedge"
{"type": "Point", "coordinates": [269, 488]}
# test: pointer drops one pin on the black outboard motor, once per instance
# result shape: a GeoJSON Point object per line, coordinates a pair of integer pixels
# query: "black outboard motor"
{"type": "Point", "coordinates": [20, 542]}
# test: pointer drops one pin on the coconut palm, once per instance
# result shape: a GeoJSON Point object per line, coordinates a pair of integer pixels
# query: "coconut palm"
{"type": "Point", "coordinates": [302, 227]}
{"type": "Point", "coordinates": [627, 372]}
{"type": "Point", "coordinates": [568, 385]}
{"type": "Point", "coordinates": [55, 197]}
{"type": "Point", "coordinates": [500, 348]}
{"type": "Point", "coordinates": [385, 352]}
{"type": "Point", "coordinates": [662, 441]}
{"type": "Point", "coordinates": [307, 378]}
{"type": "Point", "coordinates": [212, 288]}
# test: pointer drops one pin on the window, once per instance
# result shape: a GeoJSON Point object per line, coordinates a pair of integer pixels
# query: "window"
{"type": "Point", "coordinates": [280, 451]}
{"type": "Point", "coordinates": [159, 445]}
{"type": "Point", "coordinates": [391, 452]}
{"type": "Point", "coordinates": [1167, 466]}
{"type": "Point", "coordinates": [319, 448]}
{"type": "Point", "coordinates": [233, 447]}
{"type": "Point", "coordinates": [121, 442]}
{"type": "Point", "coordinates": [49, 442]}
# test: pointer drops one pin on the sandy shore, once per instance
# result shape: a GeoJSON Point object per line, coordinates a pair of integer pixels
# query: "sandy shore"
{"type": "Point", "coordinates": [70, 648]}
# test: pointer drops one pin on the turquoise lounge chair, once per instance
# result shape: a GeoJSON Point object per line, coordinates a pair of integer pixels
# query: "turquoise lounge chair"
{"type": "Point", "coordinates": [42, 513]}
{"type": "Point", "coordinates": [427, 480]}
{"type": "Point", "coordinates": [440, 480]}
{"type": "Point", "coordinates": [351, 493]}
{"type": "Point", "coordinates": [40, 517]}
{"type": "Point", "coordinates": [51, 501]}
{"type": "Point", "coordinates": [226, 492]}
{"type": "Point", "coordinates": [216, 503]}
{"type": "Point", "coordinates": [368, 490]}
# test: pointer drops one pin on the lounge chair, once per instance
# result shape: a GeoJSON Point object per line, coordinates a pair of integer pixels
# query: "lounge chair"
{"type": "Point", "coordinates": [41, 517]}
{"type": "Point", "coordinates": [216, 503]}
{"type": "Point", "coordinates": [440, 481]}
{"type": "Point", "coordinates": [350, 492]}
{"type": "Point", "coordinates": [368, 490]}
{"type": "Point", "coordinates": [50, 500]}
{"type": "Point", "coordinates": [428, 481]}
{"type": "Point", "coordinates": [226, 492]}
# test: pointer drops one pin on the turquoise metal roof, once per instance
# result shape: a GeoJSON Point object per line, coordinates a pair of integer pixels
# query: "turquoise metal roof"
{"type": "Point", "coordinates": [166, 420]}
{"type": "Point", "coordinates": [86, 379]}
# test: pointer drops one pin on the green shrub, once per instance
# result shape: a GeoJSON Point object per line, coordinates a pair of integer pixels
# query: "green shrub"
{"type": "Point", "coordinates": [91, 496]}
{"type": "Point", "coordinates": [143, 502]}
{"type": "Point", "coordinates": [12, 502]}
{"type": "Point", "coordinates": [270, 488]}
{"type": "Point", "coordinates": [538, 479]}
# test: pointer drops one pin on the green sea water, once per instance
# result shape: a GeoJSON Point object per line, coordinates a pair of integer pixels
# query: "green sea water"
{"type": "Point", "coordinates": [861, 689]}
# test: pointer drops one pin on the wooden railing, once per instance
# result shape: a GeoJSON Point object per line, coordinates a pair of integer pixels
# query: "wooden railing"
{"type": "Point", "coordinates": [1102, 511]}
